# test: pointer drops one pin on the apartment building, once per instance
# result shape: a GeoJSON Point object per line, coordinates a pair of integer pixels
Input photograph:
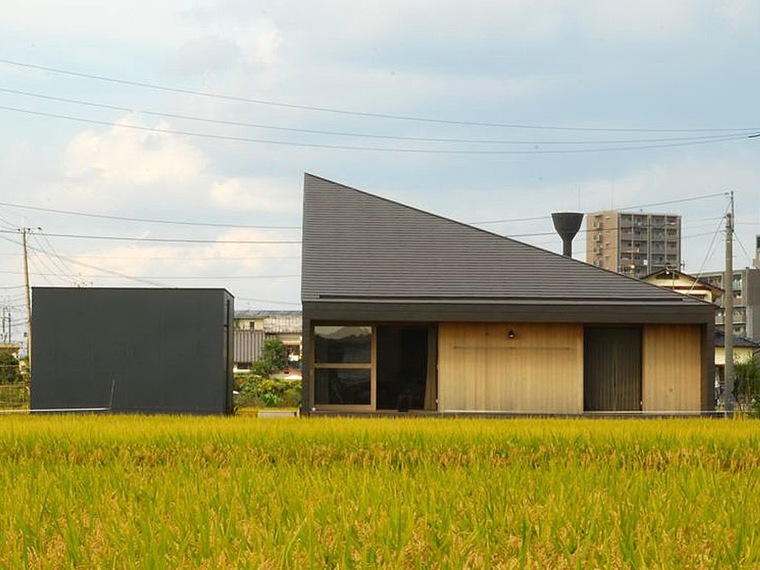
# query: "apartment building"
{"type": "Point", "coordinates": [634, 244]}
{"type": "Point", "coordinates": [745, 288]}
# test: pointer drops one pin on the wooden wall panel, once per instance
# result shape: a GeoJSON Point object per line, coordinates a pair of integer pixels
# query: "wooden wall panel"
{"type": "Point", "coordinates": [672, 368]}
{"type": "Point", "coordinates": [481, 369]}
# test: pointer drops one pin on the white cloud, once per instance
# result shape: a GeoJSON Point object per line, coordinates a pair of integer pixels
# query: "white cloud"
{"type": "Point", "coordinates": [257, 249]}
{"type": "Point", "coordinates": [123, 163]}
{"type": "Point", "coordinates": [254, 194]}
{"type": "Point", "coordinates": [231, 257]}
{"type": "Point", "coordinates": [263, 46]}
{"type": "Point", "coordinates": [205, 54]}
{"type": "Point", "coordinates": [130, 156]}
{"type": "Point", "coordinates": [147, 21]}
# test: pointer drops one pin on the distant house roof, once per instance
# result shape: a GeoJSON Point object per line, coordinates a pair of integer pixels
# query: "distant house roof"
{"type": "Point", "coordinates": [263, 313]}
{"type": "Point", "coordinates": [363, 248]}
{"type": "Point", "coordinates": [739, 341]}
{"type": "Point", "coordinates": [683, 283]}
{"type": "Point", "coordinates": [272, 321]}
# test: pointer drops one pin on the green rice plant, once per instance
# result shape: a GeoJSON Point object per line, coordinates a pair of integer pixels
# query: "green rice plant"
{"type": "Point", "coordinates": [186, 492]}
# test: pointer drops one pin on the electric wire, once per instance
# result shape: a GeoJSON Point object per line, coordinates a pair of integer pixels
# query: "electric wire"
{"type": "Point", "coordinates": [172, 240]}
{"type": "Point", "coordinates": [48, 249]}
{"type": "Point", "coordinates": [232, 138]}
{"type": "Point", "coordinates": [636, 207]}
{"type": "Point", "coordinates": [333, 110]}
{"type": "Point", "coordinates": [48, 272]}
{"type": "Point", "coordinates": [352, 134]}
{"type": "Point", "coordinates": [206, 224]}
{"type": "Point", "coordinates": [89, 266]}
{"type": "Point", "coordinates": [710, 248]}
{"type": "Point", "coordinates": [741, 245]}
{"type": "Point", "coordinates": [145, 220]}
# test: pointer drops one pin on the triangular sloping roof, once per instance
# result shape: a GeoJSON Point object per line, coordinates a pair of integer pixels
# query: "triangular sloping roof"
{"type": "Point", "coordinates": [359, 246]}
{"type": "Point", "coordinates": [669, 273]}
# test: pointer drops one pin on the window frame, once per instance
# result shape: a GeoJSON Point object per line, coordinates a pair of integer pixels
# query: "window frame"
{"type": "Point", "coordinates": [371, 366]}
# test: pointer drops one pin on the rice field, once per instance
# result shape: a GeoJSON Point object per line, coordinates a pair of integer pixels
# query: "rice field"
{"type": "Point", "coordinates": [187, 492]}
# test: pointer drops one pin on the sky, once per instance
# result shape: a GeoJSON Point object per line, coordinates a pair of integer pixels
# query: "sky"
{"type": "Point", "coordinates": [164, 143]}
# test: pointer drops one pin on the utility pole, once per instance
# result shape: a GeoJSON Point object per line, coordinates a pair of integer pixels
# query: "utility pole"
{"type": "Point", "coordinates": [728, 307]}
{"type": "Point", "coordinates": [24, 232]}
{"type": "Point", "coordinates": [7, 331]}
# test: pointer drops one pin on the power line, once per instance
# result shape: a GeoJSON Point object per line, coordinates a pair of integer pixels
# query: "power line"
{"type": "Point", "coordinates": [679, 201]}
{"type": "Point", "coordinates": [207, 224]}
{"type": "Point", "coordinates": [538, 218]}
{"type": "Point", "coordinates": [48, 272]}
{"type": "Point", "coordinates": [513, 220]}
{"type": "Point", "coordinates": [747, 256]}
{"type": "Point", "coordinates": [52, 254]}
{"type": "Point", "coordinates": [220, 257]}
{"type": "Point", "coordinates": [367, 148]}
{"type": "Point", "coordinates": [171, 240]}
{"type": "Point", "coordinates": [89, 266]}
{"type": "Point", "coordinates": [145, 220]}
{"type": "Point", "coordinates": [333, 110]}
{"type": "Point", "coordinates": [357, 134]}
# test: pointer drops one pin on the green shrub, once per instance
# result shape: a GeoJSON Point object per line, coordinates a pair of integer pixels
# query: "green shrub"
{"type": "Point", "coordinates": [292, 396]}
{"type": "Point", "coordinates": [259, 391]}
{"type": "Point", "coordinates": [274, 357]}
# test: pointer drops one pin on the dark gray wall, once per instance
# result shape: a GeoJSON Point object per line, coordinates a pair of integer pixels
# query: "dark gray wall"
{"type": "Point", "coordinates": [160, 350]}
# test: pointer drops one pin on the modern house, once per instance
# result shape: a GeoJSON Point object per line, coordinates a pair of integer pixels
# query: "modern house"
{"type": "Point", "coordinates": [404, 309]}
{"type": "Point", "coordinates": [634, 244]}
{"type": "Point", "coordinates": [132, 350]}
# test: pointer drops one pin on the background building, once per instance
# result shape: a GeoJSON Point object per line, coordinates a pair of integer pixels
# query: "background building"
{"type": "Point", "coordinates": [634, 244]}
{"type": "Point", "coordinates": [685, 284]}
{"type": "Point", "coordinates": [253, 327]}
{"type": "Point", "coordinates": [745, 289]}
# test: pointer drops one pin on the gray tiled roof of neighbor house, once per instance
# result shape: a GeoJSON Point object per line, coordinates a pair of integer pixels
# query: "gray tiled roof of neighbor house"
{"type": "Point", "coordinates": [362, 248]}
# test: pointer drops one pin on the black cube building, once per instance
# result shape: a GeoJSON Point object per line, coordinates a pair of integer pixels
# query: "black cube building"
{"type": "Point", "coordinates": [132, 350]}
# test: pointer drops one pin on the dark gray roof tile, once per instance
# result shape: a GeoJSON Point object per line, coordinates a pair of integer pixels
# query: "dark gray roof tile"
{"type": "Point", "coordinates": [360, 246]}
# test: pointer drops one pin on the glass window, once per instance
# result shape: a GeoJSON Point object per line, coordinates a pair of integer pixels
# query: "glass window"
{"type": "Point", "coordinates": [342, 386]}
{"type": "Point", "coordinates": [342, 344]}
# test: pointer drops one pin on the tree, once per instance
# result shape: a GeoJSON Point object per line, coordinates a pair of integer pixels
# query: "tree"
{"type": "Point", "coordinates": [747, 383]}
{"type": "Point", "coordinates": [9, 369]}
{"type": "Point", "coordinates": [273, 358]}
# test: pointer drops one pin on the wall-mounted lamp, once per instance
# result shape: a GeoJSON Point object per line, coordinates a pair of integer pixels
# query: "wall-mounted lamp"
{"type": "Point", "coordinates": [511, 334]}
